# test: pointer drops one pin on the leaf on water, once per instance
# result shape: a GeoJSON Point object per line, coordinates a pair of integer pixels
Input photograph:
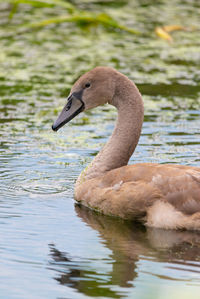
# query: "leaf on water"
{"type": "Point", "coordinates": [171, 28]}
{"type": "Point", "coordinates": [163, 34]}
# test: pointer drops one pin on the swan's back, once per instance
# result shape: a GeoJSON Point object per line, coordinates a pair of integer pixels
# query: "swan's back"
{"type": "Point", "coordinates": [166, 196]}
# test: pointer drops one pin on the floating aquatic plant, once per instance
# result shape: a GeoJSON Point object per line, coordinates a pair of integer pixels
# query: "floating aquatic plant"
{"type": "Point", "coordinates": [164, 32]}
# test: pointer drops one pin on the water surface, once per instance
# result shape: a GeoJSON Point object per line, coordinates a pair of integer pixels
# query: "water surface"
{"type": "Point", "coordinates": [50, 247]}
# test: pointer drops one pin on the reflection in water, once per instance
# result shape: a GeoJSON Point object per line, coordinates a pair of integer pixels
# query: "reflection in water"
{"type": "Point", "coordinates": [73, 274]}
{"type": "Point", "coordinates": [129, 242]}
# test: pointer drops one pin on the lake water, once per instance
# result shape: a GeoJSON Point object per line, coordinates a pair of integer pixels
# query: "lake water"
{"type": "Point", "coordinates": [50, 247]}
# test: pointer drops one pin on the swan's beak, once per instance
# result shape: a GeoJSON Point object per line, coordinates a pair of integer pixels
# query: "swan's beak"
{"type": "Point", "coordinates": [74, 106]}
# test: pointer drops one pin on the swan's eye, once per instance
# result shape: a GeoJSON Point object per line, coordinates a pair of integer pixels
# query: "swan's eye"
{"type": "Point", "coordinates": [87, 85]}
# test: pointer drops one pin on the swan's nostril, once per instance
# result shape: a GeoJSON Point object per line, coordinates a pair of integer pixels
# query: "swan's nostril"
{"type": "Point", "coordinates": [68, 106]}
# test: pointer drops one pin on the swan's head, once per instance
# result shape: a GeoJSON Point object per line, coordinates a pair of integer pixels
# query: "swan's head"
{"type": "Point", "coordinates": [94, 88]}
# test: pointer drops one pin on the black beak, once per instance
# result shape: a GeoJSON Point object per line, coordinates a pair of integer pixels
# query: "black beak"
{"type": "Point", "coordinates": [73, 107]}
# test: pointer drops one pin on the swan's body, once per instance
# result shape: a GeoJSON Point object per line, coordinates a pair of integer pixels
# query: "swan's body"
{"type": "Point", "coordinates": [165, 196]}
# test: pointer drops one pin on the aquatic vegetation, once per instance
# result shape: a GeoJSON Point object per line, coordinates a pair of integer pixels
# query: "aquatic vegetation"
{"type": "Point", "coordinates": [82, 18]}
{"type": "Point", "coordinates": [164, 31]}
{"type": "Point", "coordinates": [44, 241]}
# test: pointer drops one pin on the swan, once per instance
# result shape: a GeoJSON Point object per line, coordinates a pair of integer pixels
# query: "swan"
{"type": "Point", "coordinates": [161, 196]}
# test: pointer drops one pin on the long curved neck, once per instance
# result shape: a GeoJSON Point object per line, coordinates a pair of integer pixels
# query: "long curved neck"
{"type": "Point", "coordinates": [120, 146]}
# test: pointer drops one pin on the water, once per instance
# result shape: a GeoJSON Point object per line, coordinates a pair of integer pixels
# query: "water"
{"type": "Point", "coordinates": [51, 248]}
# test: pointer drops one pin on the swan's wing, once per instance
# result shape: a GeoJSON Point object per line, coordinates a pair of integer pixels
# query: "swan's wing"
{"type": "Point", "coordinates": [128, 200]}
{"type": "Point", "coordinates": [184, 192]}
{"type": "Point", "coordinates": [163, 195]}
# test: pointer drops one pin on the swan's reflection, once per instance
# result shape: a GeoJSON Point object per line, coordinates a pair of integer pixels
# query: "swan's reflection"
{"type": "Point", "coordinates": [129, 242]}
